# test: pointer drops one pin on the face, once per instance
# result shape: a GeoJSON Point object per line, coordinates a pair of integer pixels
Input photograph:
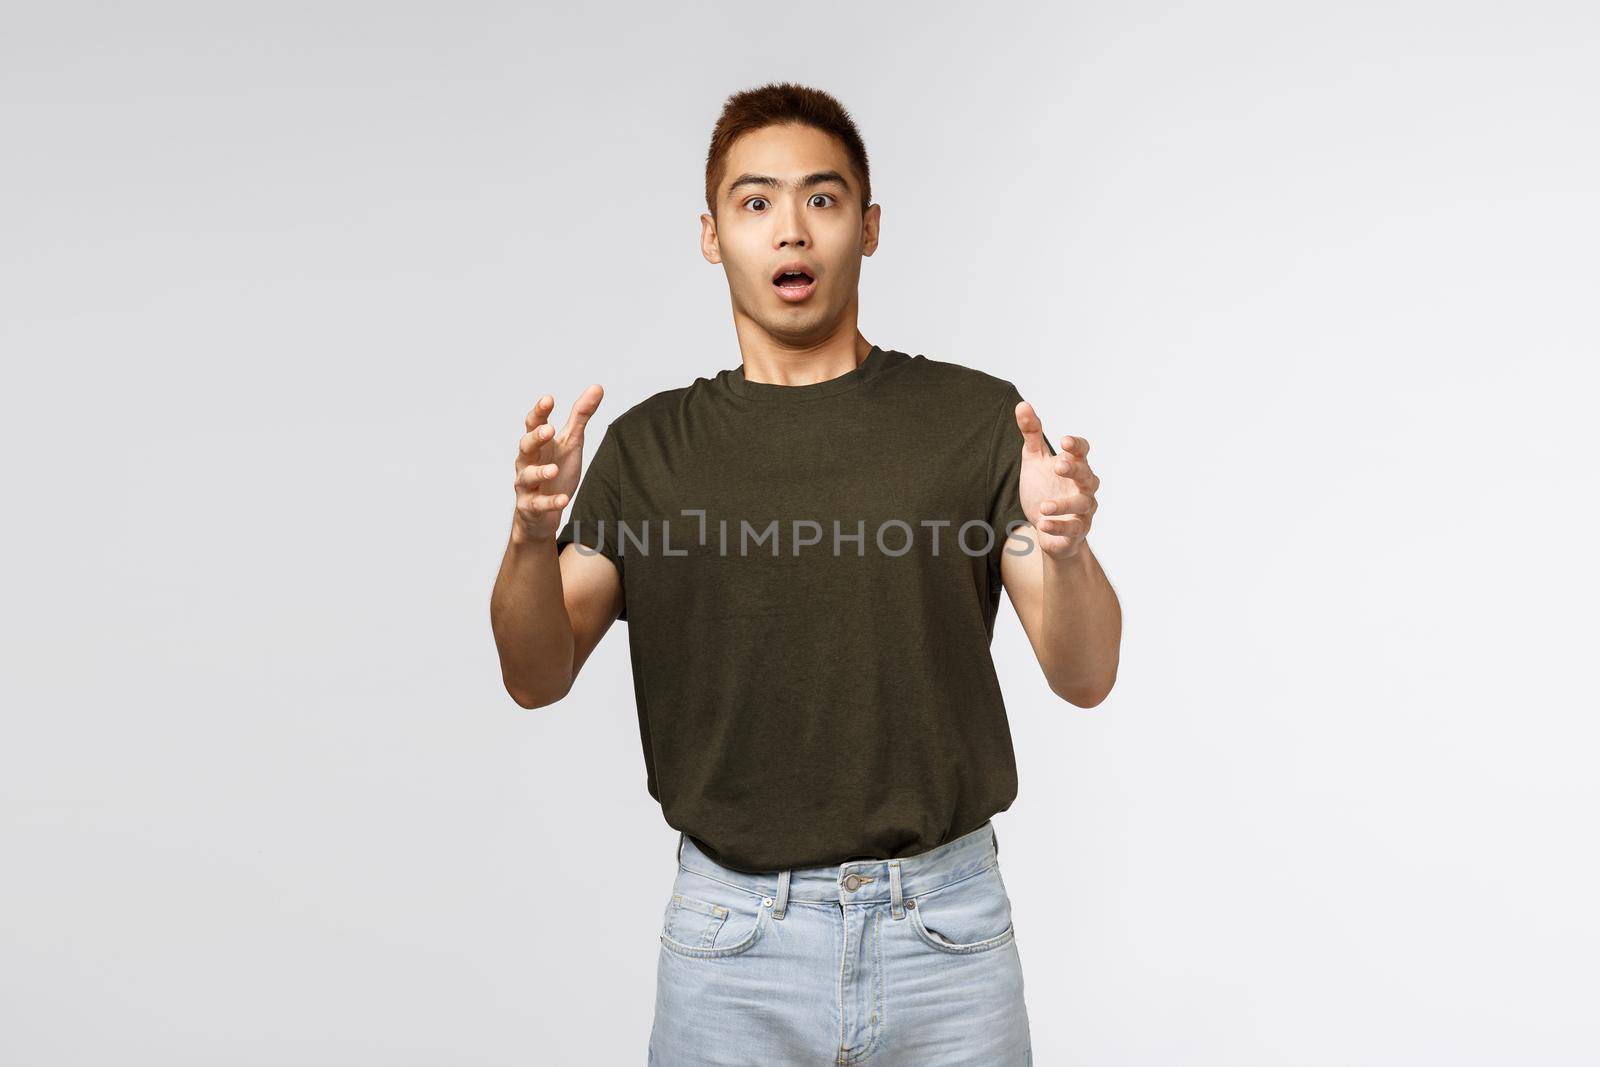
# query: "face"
{"type": "Point", "coordinates": [789, 197]}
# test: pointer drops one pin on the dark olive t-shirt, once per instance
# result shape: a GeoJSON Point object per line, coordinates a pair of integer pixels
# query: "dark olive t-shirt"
{"type": "Point", "coordinates": [811, 576]}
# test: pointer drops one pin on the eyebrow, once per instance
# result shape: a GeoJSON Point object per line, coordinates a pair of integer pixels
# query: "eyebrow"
{"type": "Point", "coordinates": [766, 181]}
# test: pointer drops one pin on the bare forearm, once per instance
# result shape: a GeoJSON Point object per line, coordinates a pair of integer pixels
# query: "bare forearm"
{"type": "Point", "coordinates": [1081, 628]}
{"type": "Point", "coordinates": [531, 628]}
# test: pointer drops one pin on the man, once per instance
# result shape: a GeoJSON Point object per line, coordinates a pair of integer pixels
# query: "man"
{"type": "Point", "coordinates": [809, 549]}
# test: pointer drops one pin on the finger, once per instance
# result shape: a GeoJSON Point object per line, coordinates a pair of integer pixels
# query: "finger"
{"type": "Point", "coordinates": [1065, 526]}
{"type": "Point", "coordinates": [535, 439]}
{"type": "Point", "coordinates": [532, 440]}
{"type": "Point", "coordinates": [1032, 429]}
{"type": "Point", "coordinates": [534, 473]}
{"type": "Point", "coordinates": [1078, 446]}
{"type": "Point", "coordinates": [1070, 466]}
{"type": "Point", "coordinates": [539, 412]}
{"type": "Point", "coordinates": [582, 410]}
{"type": "Point", "coordinates": [531, 504]}
{"type": "Point", "coordinates": [1077, 504]}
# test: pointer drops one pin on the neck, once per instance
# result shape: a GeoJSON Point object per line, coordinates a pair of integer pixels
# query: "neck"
{"type": "Point", "coordinates": [776, 363]}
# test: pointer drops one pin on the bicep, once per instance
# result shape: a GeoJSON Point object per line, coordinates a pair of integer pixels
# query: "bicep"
{"type": "Point", "coordinates": [592, 588]}
{"type": "Point", "coordinates": [1022, 575]}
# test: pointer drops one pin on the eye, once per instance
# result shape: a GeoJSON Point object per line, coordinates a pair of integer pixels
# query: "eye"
{"type": "Point", "coordinates": [755, 200]}
{"type": "Point", "coordinates": [828, 196]}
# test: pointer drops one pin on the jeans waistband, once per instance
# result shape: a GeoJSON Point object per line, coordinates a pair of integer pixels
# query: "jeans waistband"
{"type": "Point", "coordinates": [857, 881]}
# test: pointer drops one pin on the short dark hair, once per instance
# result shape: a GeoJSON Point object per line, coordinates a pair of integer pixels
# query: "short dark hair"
{"type": "Point", "coordinates": [777, 104]}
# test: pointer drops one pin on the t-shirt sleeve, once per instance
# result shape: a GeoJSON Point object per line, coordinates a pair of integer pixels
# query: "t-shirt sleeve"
{"type": "Point", "coordinates": [594, 517]}
{"type": "Point", "coordinates": [1005, 467]}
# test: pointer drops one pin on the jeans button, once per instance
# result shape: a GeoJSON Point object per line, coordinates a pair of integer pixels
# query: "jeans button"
{"type": "Point", "coordinates": [852, 882]}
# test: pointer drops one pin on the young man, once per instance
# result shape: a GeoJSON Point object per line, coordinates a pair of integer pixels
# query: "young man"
{"type": "Point", "coordinates": [809, 549]}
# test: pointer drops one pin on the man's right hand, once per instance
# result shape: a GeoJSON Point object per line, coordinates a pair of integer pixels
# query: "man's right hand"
{"type": "Point", "coordinates": [548, 466]}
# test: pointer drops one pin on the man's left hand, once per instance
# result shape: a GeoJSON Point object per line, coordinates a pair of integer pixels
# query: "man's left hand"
{"type": "Point", "coordinates": [1057, 492]}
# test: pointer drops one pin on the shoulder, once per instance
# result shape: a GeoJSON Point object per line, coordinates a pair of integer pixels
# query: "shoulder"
{"type": "Point", "coordinates": [658, 409]}
{"type": "Point", "coordinates": [976, 386]}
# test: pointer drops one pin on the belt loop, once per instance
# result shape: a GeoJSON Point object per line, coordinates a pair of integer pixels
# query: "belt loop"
{"type": "Point", "coordinates": [782, 905]}
{"type": "Point", "coordinates": [897, 906]}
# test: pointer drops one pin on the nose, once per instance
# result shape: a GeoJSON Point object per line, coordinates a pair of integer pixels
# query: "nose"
{"type": "Point", "coordinates": [791, 228]}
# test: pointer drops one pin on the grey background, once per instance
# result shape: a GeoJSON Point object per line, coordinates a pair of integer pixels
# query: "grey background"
{"type": "Point", "coordinates": [280, 280]}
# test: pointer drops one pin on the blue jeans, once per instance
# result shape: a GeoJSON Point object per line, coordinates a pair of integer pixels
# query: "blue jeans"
{"type": "Point", "coordinates": [909, 962]}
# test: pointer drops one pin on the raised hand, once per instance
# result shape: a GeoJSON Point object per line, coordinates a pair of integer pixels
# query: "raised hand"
{"type": "Point", "coordinates": [1057, 492]}
{"type": "Point", "coordinates": [548, 465]}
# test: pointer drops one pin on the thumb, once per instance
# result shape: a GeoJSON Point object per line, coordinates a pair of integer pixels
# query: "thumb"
{"type": "Point", "coordinates": [1033, 442]}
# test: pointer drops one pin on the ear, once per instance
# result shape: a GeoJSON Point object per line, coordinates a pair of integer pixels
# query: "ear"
{"type": "Point", "coordinates": [869, 229]}
{"type": "Point", "coordinates": [710, 248]}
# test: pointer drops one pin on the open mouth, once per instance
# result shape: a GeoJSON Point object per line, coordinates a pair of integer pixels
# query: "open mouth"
{"type": "Point", "coordinates": [794, 282]}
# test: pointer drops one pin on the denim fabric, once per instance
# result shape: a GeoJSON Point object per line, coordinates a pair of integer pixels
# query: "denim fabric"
{"type": "Point", "coordinates": [910, 962]}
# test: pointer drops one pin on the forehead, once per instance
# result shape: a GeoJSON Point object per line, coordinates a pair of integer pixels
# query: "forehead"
{"type": "Point", "coordinates": [786, 153]}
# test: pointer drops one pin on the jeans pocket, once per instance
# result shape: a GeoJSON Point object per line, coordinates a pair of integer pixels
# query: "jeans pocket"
{"type": "Point", "coordinates": [706, 919]}
{"type": "Point", "coordinates": [970, 915]}
{"type": "Point", "coordinates": [691, 922]}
